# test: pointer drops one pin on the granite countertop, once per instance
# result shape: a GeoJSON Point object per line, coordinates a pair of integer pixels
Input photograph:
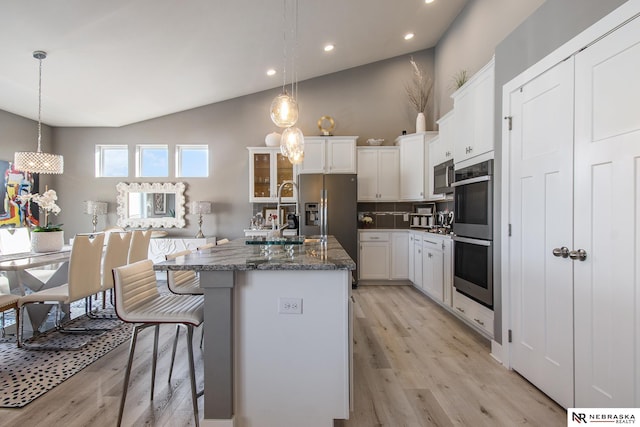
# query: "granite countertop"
{"type": "Point", "coordinates": [237, 255]}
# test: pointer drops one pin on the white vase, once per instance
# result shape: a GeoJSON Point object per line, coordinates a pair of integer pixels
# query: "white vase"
{"type": "Point", "coordinates": [47, 241]}
{"type": "Point", "coordinates": [421, 123]}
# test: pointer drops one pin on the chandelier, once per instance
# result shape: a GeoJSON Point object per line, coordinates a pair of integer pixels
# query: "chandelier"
{"type": "Point", "coordinates": [38, 161]}
{"type": "Point", "coordinates": [284, 108]}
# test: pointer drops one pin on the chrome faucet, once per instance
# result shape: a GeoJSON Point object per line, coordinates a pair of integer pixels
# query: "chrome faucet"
{"type": "Point", "coordinates": [280, 187]}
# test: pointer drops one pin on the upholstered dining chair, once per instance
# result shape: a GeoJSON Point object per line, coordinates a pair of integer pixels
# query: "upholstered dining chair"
{"type": "Point", "coordinates": [16, 241]}
{"type": "Point", "coordinates": [139, 249]}
{"type": "Point", "coordinates": [138, 301]}
{"type": "Point", "coordinates": [116, 254]}
{"type": "Point", "coordinates": [83, 281]}
{"type": "Point", "coordinates": [8, 302]}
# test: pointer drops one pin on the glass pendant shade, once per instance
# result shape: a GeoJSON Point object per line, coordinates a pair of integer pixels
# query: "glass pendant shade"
{"type": "Point", "coordinates": [38, 162]}
{"type": "Point", "coordinates": [292, 144]}
{"type": "Point", "coordinates": [284, 110]}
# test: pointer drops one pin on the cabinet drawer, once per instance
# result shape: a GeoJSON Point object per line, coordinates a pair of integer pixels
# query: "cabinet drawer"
{"type": "Point", "coordinates": [374, 236]}
{"type": "Point", "coordinates": [431, 243]}
{"type": "Point", "coordinates": [476, 314]}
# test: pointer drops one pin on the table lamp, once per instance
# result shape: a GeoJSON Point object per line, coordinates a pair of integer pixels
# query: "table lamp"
{"type": "Point", "coordinates": [94, 209]}
{"type": "Point", "coordinates": [200, 208]}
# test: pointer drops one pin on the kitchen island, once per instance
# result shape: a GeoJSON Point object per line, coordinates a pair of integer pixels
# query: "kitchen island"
{"type": "Point", "coordinates": [277, 343]}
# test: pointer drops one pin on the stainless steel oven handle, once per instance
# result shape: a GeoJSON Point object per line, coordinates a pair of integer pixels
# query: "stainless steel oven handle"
{"type": "Point", "coordinates": [472, 241]}
{"type": "Point", "coordinates": [472, 180]}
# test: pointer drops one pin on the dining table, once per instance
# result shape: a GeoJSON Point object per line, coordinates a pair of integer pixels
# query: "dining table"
{"type": "Point", "coordinates": [28, 272]}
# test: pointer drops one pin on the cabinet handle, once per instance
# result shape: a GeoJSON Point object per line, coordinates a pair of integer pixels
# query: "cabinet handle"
{"type": "Point", "coordinates": [374, 238]}
{"type": "Point", "coordinates": [429, 255]}
{"type": "Point", "coordinates": [479, 321]}
{"type": "Point", "coordinates": [460, 309]}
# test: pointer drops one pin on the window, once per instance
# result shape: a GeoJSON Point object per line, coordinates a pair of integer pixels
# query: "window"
{"type": "Point", "coordinates": [112, 160]}
{"type": "Point", "coordinates": [152, 160]}
{"type": "Point", "coordinates": [192, 161]}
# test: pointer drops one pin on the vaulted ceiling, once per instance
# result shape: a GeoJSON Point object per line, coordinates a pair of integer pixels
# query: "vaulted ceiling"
{"type": "Point", "coordinates": [112, 63]}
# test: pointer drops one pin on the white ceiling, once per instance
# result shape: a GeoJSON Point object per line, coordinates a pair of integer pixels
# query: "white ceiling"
{"type": "Point", "coordinates": [116, 62]}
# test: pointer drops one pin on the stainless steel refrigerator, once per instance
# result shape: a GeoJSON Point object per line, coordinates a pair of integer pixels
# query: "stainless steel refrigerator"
{"type": "Point", "coordinates": [339, 193]}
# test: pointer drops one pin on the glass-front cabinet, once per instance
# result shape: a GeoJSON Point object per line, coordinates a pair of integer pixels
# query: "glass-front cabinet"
{"type": "Point", "coordinates": [268, 168]}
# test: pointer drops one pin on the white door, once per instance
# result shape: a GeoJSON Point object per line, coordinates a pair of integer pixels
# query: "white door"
{"type": "Point", "coordinates": [541, 209]}
{"type": "Point", "coordinates": [367, 175]}
{"type": "Point", "coordinates": [607, 214]}
{"type": "Point", "coordinates": [412, 168]}
{"type": "Point", "coordinates": [341, 154]}
{"type": "Point", "coordinates": [388, 174]}
{"type": "Point", "coordinates": [399, 255]}
{"type": "Point", "coordinates": [374, 260]}
{"type": "Point", "coordinates": [314, 156]}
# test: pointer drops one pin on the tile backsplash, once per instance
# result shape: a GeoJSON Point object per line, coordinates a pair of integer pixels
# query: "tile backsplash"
{"type": "Point", "coordinates": [393, 215]}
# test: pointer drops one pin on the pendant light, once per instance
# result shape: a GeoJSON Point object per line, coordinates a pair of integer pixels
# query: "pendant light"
{"type": "Point", "coordinates": [284, 108]}
{"type": "Point", "coordinates": [39, 161]}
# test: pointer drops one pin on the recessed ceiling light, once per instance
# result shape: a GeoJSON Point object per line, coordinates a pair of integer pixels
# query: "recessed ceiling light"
{"type": "Point", "coordinates": [271, 72]}
{"type": "Point", "coordinates": [408, 36]}
{"type": "Point", "coordinates": [328, 48]}
{"type": "Point", "coordinates": [428, 1]}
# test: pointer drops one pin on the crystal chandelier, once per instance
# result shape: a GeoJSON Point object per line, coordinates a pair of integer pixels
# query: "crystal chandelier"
{"type": "Point", "coordinates": [38, 161]}
{"type": "Point", "coordinates": [284, 108]}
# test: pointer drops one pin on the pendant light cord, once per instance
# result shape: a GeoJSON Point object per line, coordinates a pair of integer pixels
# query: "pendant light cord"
{"type": "Point", "coordinates": [39, 56]}
{"type": "Point", "coordinates": [284, 44]}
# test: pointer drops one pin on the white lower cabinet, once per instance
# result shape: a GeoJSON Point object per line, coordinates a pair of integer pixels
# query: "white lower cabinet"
{"type": "Point", "coordinates": [478, 315]}
{"type": "Point", "coordinates": [433, 267]}
{"type": "Point", "coordinates": [399, 255]}
{"type": "Point", "coordinates": [384, 255]}
{"type": "Point", "coordinates": [373, 255]}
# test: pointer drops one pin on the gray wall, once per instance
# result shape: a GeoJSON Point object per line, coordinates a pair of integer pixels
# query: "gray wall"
{"type": "Point", "coordinates": [21, 134]}
{"type": "Point", "coordinates": [470, 41]}
{"type": "Point", "coordinates": [368, 101]}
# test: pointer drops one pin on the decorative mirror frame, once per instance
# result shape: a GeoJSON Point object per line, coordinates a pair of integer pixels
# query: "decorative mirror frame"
{"type": "Point", "coordinates": [145, 187]}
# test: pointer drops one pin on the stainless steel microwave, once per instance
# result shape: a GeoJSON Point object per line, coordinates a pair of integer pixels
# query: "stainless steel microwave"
{"type": "Point", "coordinates": [443, 178]}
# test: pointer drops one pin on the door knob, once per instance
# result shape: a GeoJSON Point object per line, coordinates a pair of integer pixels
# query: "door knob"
{"type": "Point", "coordinates": [561, 252]}
{"type": "Point", "coordinates": [580, 254]}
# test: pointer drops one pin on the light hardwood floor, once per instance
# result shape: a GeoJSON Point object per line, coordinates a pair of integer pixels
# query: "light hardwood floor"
{"type": "Point", "coordinates": [415, 365]}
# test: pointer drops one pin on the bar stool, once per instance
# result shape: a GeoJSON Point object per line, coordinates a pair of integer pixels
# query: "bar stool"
{"type": "Point", "coordinates": [138, 301]}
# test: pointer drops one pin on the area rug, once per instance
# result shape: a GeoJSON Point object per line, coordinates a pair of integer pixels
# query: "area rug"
{"type": "Point", "coordinates": [28, 373]}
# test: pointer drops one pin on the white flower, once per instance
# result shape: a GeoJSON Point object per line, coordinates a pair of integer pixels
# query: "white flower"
{"type": "Point", "coordinates": [46, 201]}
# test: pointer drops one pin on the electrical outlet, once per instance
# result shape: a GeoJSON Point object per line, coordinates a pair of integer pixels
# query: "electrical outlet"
{"type": "Point", "coordinates": [289, 305]}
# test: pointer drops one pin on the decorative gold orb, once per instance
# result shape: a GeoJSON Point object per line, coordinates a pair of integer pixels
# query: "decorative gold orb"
{"type": "Point", "coordinates": [326, 124]}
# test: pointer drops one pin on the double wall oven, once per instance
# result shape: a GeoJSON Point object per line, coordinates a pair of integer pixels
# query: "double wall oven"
{"type": "Point", "coordinates": [473, 232]}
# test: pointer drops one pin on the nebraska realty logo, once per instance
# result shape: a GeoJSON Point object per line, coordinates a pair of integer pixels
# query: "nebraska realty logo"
{"type": "Point", "coordinates": [581, 416]}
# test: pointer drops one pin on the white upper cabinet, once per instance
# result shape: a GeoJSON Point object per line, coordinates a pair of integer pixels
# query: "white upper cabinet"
{"type": "Point", "coordinates": [329, 154]}
{"type": "Point", "coordinates": [415, 174]}
{"type": "Point", "coordinates": [268, 168]}
{"type": "Point", "coordinates": [378, 174]}
{"type": "Point", "coordinates": [473, 104]}
{"type": "Point", "coordinates": [441, 149]}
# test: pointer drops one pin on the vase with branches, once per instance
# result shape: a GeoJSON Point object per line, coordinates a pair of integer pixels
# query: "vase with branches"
{"type": "Point", "coordinates": [419, 92]}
